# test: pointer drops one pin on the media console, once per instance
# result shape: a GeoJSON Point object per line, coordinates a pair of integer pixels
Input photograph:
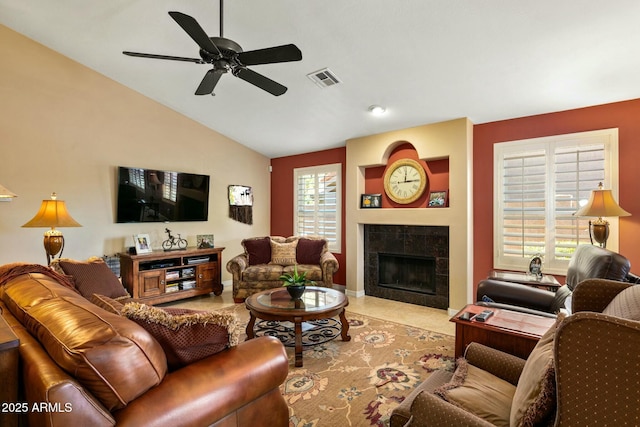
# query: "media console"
{"type": "Point", "coordinates": [168, 276]}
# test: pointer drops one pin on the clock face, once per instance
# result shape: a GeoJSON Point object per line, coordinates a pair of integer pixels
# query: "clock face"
{"type": "Point", "coordinates": [405, 181]}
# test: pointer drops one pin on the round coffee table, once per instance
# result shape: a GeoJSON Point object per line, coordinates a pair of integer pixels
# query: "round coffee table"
{"type": "Point", "coordinates": [316, 304]}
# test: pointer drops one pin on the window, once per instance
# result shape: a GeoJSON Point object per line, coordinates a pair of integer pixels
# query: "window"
{"type": "Point", "coordinates": [538, 184]}
{"type": "Point", "coordinates": [317, 203]}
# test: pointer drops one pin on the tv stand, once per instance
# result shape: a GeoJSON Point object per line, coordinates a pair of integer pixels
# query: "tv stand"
{"type": "Point", "coordinates": [161, 277]}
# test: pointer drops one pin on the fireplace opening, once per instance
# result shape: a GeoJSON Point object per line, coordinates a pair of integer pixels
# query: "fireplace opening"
{"type": "Point", "coordinates": [407, 272]}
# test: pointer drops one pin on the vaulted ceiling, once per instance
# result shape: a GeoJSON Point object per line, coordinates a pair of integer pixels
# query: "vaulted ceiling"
{"type": "Point", "coordinates": [424, 60]}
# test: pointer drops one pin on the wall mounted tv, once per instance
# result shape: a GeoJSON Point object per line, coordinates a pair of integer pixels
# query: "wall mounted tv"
{"type": "Point", "coordinates": [147, 195]}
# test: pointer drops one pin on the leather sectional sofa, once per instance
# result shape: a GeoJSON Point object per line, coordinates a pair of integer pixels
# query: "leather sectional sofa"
{"type": "Point", "coordinates": [103, 369]}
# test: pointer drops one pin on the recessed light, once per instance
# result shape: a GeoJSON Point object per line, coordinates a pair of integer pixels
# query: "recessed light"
{"type": "Point", "coordinates": [377, 110]}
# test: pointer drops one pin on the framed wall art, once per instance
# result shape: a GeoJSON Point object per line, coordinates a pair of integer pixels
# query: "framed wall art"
{"type": "Point", "coordinates": [371, 201]}
{"type": "Point", "coordinates": [438, 199]}
{"type": "Point", "coordinates": [241, 203]}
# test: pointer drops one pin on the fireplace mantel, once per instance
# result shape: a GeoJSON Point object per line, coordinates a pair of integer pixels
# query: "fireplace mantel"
{"type": "Point", "coordinates": [452, 140]}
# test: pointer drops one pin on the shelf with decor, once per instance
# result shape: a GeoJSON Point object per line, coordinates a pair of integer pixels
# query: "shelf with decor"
{"type": "Point", "coordinates": [160, 277]}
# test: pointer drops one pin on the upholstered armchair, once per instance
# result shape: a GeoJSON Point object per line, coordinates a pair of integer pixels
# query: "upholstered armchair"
{"type": "Point", "coordinates": [265, 259]}
{"type": "Point", "coordinates": [582, 372]}
{"type": "Point", "coordinates": [587, 262]}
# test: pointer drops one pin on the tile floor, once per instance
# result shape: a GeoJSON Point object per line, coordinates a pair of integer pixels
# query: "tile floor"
{"type": "Point", "coordinates": [427, 318]}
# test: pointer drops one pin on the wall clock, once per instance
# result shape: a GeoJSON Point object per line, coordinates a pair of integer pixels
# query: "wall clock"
{"type": "Point", "coordinates": [404, 181]}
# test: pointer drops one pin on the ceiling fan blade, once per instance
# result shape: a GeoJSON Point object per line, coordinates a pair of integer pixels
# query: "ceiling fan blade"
{"type": "Point", "coordinates": [173, 58]}
{"type": "Point", "coordinates": [195, 31]}
{"type": "Point", "coordinates": [270, 55]}
{"type": "Point", "coordinates": [259, 80]}
{"type": "Point", "coordinates": [209, 82]}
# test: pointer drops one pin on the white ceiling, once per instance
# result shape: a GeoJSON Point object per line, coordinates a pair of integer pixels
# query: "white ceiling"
{"type": "Point", "coordinates": [425, 60]}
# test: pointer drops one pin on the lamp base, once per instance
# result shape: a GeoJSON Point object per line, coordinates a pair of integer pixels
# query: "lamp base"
{"type": "Point", "coordinates": [53, 243]}
{"type": "Point", "coordinates": [599, 231]}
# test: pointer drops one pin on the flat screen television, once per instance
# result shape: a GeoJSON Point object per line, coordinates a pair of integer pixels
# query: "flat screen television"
{"type": "Point", "coordinates": [148, 195]}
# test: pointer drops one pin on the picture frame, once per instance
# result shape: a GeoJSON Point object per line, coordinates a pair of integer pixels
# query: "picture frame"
{"type": "Point", "coordinates": [438, 199]}
{"type": "Point", "coordinates": [240, 195]}
{"type": "Point", "coordinates": [371, 201]}
{"type": "Point", "coordinates": [535, 266]}
{"type": "Point", "coordinates": [143, 244]}
{"type": "Point", "coordinates": [204, 241]}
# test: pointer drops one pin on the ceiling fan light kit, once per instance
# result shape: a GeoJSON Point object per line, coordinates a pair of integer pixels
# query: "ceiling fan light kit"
{"type": "Point", "coordinates": [225, 55]}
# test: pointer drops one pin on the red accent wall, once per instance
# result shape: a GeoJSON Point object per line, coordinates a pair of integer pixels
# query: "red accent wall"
{"type": "Point", "coordinates": [282, 195]}
{"type": "Point", "coordinates": [623, 115]}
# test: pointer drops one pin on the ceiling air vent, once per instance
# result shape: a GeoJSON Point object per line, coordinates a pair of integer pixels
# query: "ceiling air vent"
{"type": "Point", "coordinates": [324, 78]}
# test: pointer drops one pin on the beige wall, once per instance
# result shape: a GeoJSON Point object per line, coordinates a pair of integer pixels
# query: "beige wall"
{"type": "Point", "coordinates": [65, 128]}
{"type": "Point", "coordinates": [453, 140]}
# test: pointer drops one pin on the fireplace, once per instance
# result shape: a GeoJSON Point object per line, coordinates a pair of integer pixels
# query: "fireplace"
{"type": "Point", "coordinates": [407, 272]}
{"type": "Point", "coordinates": [408, 263]}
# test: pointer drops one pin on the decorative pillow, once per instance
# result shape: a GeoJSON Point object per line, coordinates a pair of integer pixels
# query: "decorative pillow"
{"type": "Point", "coordinates": [309, 251]}
{"type": "Point", "coordinates": [479, 392]}
{"type": "Point", "coordinates": [626, 304]}
{"type": "Point", "coordinates": [93, 277]}
{"type": "Point", "coordinates": [534, 401]}
{"type": "Point", "coordinates": [185, 335]}
{"type": "Point", "coordinates": [106, 303]}
{"type": "Point", "coordinates": [258, 250]}
{"type": "Point", "coordinates": [283, 253]}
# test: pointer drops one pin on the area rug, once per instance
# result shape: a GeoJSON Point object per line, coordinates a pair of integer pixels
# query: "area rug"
{"type": "Point", "coordinates": [359, 382]}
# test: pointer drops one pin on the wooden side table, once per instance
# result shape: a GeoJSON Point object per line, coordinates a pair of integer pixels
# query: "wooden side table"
{"type": "Point", "coordinates": [9, 344]}
{"type": "Point", "coordinates": [509, 331]}
{"type": "Point", "coordinates": [547, 281]}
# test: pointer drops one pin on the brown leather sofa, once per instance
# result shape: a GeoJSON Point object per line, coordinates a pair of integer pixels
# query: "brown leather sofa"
{"type": "Point", "coordinates": [91, 367]}
{"type": "Point", "coordinates": [588, 262]}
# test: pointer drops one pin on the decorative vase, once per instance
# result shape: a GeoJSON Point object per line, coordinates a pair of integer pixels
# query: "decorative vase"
{"type": "Point", "coordinates": [295, 291]}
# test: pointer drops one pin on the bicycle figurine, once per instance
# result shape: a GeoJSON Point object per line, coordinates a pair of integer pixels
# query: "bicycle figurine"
{"type": "Point", "coordinates": [171, 242]}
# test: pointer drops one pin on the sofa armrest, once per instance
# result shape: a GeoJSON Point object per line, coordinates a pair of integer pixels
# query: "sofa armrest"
{"type": "Point", "coordinates": [237, 265]}
{"type": "Point", "coordinates": [496, 362]}
{"type": "Point", "coordinates": [428, 410]}
{"type": "Point", "coordinates": [329, 265]}
{"type": "Point", "coordinates": [213, 388]}
{"type": "Point", "coordinates": [595, 294]}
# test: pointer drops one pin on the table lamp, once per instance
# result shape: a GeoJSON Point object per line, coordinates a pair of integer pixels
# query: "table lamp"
{"type": "Point", "coordinates": [6, 195]}
{"type": "Point", "coordinates": [601, 203]}
{"type": "Point", "coordinates": [53, 213]}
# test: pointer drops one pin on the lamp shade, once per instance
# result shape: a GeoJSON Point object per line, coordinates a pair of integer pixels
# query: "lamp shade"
{"type": "Point", "coordinates": [601, 203]}
{"type": "Point", "coordinates": [53, 213]}
{"type": "Point", "coordinates": [6, 194]}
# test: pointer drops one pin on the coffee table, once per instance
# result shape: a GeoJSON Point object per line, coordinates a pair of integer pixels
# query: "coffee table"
{"type": "Point", "coordinates": [316, 303]}
{"type": "Point", "coordinates": [509, 331]}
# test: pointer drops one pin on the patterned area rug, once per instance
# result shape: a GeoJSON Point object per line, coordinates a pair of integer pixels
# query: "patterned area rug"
{"type": "Point", "coordinates": [358, 383]}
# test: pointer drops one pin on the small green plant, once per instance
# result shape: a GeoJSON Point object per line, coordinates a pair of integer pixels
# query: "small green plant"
{"type": "Point", "coordinates": [295, 278]}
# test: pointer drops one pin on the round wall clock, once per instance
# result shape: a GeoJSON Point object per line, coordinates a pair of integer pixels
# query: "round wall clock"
{"type": "Point", "coordinates": [404, 181]}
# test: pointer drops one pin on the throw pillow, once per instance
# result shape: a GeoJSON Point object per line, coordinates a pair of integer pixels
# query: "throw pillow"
{"type": "Point", "coordinates": [626, 304]}
{"type": "Point", "coordinates": [258, 250]}
{"type": "Point", "coordinates": [283, 253]}
{"type": "Point", "coordinates": [309, 251]}
{"type": "Point", "coordinates": [93, 277]}
{"type": "Point", "coordinates": [479, 392]}
{"type": "Point", "coordinates": [185, 335]}
{"type": "Point", "coordinates": [106, 303]}
{"type": "Point", "coordinates": [534, 401]}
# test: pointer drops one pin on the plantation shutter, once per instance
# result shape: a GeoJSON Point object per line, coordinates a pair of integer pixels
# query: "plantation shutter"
{"type": "Point", "coordinates": [317, 203]}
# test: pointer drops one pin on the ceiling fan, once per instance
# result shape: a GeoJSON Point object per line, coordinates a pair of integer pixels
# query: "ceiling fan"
{"type": "Point", "coordinates": [225, 55]}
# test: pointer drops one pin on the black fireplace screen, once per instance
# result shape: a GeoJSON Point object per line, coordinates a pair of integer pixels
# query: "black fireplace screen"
{"type": "Point", "coordinates": [407, 272]}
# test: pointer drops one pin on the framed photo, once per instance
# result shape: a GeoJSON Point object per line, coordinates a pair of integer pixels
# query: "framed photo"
{"type": "Point", "coordinates": [143, 244]}
{"type": "Point", "coordinates": [371, 201]}
{"type": "Point", "coordinates": [240, 195]}
{"type": "Point", "coordinates": [535, 265]}
{"type": "Point", "coordinates": [204, 241]}
{"type": "Point", "coordinates": [438, 199]}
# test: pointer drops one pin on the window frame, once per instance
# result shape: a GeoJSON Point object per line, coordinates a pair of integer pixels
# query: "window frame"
{"type": "Point", "coordinates": [335, 245]}
{"type": "Point", "coordinates": [607, 137]}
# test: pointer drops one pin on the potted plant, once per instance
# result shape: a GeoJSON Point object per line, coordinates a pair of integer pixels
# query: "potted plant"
{"type": "Point", "coordinates": [295, 282]}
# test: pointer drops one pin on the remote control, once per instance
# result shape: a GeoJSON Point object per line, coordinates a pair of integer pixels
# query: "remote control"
{"type": "Point", "coordinates": [482, 317]}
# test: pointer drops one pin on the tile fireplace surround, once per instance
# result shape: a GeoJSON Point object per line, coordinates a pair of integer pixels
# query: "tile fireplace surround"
{"type": "Point", "coordinates": [411, 240]}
